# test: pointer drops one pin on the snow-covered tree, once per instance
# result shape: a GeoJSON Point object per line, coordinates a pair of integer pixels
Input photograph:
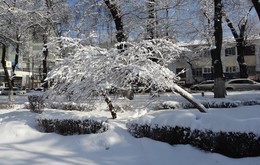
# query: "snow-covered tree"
{"type": "Point", "coordinates": [52, 16]}
{"type": "Point", "coordinates": [92, 70]}
{"type": "Point", "coordinates": [14, 26]}
{"type": "Point", "coordinates": [20, 20]}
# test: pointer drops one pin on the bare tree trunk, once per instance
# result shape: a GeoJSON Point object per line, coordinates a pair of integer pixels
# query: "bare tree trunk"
{"type": "Point", "coordinates": [151, 19]}
{"type": "Point", "coordinates": [116, 15]}
{"type": "Point", "coordinates": [3, 61]}
{"type": "Point", "coordinates": [190, 98]}
{"type": "Point", "coordinates": [256, 4]}
{"type": "Point", "coordinates": [17, 51]}
{"type": "Point", "coordinates": [167, 6]}
{"type": "Point", "coordinates": [45, 53]}
{"type": "Point", "coordinates": [54, 25]}
{"type": "Point", "coordinates": [241, 60]}
{"type": "Point", "coordinates": [219, 85]}
{"type": "Point", "coordinates": [192, 72]}
{"type": "Point", "coordinates": [110, 106]}
{"type": "Point", "coordinates": [14, 65]}
{"type": "Point", "coordinates": [241, 42]}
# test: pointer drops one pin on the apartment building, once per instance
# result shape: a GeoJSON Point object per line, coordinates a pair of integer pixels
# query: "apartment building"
{"type": "Point", "coordinates": [22, 76]}
{"type": "Point", "coordinates": [199, 66]}
{"type": "Point", "coordinates": [28, 73]}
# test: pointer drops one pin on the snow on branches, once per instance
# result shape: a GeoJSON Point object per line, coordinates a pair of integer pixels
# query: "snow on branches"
{"type": "Point", "coordinates": [92, 70]}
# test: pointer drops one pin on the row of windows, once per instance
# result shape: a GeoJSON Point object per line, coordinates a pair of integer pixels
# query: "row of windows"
{"type": "Point", "coordinates": [228, 69]}
{"type": "Point", "coordinates": [248, 51]}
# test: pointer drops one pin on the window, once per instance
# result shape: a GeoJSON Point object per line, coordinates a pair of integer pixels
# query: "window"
{"type": "Point", "coordinates": [207, 70]}
{"type": "Point", "coordinates": [249, 50]}
{"type": "Point", "coordinates": [230, 51]}
{"type": "Point", "coordinates": [241, 82]}
{"type": "Point", "coordinates": [231, 69]}
{"type": "Point", "coordinates": [197, 72]}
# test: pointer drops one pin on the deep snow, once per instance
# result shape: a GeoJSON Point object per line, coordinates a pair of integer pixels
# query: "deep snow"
{"type": "Point", "coordinates": [22, 143]}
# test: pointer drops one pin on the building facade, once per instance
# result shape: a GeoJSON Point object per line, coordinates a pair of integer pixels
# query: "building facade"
{"type": "Point", "coordinates": [28, 73]}
{"type": "Point", "coordinates": [22, 77]}
{"type": "Point", "coordinates": [199, 67]}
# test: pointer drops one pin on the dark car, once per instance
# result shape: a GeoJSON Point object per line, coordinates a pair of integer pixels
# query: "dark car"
{"type": "Point", "coordinates": [204, 85]}
{"type": "Point", "coordinates": [242, 84]}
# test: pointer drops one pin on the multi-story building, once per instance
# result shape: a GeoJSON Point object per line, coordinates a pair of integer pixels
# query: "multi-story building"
{"type": "Point", "coordinates": [199, 65]}
{"type": "Point", "coordinates": [28, 73]}
{"type": "Point", "coordinates": [22, 77]}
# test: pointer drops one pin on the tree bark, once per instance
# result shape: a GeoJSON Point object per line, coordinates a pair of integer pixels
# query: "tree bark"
{"type": "Point", "coordinates": [241, 59]}
{"type": "Point", "coordinates": [219, 85]}
{"type": "Point", "coordinates": [151, 19]}
{"type": "Point", "coordinates": [45, 53]}
{"type": "Point", "coordinates": [110, 106]}
{"type": "Point", "coordinates": [3, 61]}
{"type": "Point", "coordinates": [17, 52]}
{"type": "Point", "coordinates": [240, 43]}
{"type": "Point", "coordinates": [190, 98]}
{"type": "Point", "coordinates": [256, 4]}
{"type": "Point", "coordinates": [117, 17]}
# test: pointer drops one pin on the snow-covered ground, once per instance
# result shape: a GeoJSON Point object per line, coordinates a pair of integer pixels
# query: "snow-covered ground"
{"type": "Point", "coordinates": [22, 143]}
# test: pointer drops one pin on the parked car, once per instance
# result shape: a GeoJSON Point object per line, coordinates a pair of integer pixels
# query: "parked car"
{"type": "Point", "coordinates": [204, 85]}
{"type": "Point", "coordinates": [17, 91]}
{"type": "Point", "coordinates": [242, 84]}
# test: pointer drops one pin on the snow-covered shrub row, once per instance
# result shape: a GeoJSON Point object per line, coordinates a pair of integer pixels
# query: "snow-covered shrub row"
{"type": "Point", "coordinates": [211, 104]}
{"type": "Point", "coordinates": [68, 123]}
{"type": "Point", "coordinates": [6, 106]}
{"type": "Point", "coordinates": [71, 127]}
{"type": "Point", "coordinates": [213, 131]}
{"type": "Point", "coordinates": [232, 144]}
{"type": "Point", "coordinates": [71, 106]}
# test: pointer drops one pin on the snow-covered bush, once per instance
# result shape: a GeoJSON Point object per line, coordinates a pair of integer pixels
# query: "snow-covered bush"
{"type": "Point", "coordinates": [232, 144]}
{"type": "Point", "coordinates": [207, 104]}
{"type": "Point", "coordinates": [36, 103]}
{"type": "Point", "coordinates": [69, 123]}
{"type": "Point", "coordinates": [71, 106]}
{"type": "Point", "coordinates": [72, 127]}
{"type": "Point", "coordinates": [214, 132]}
